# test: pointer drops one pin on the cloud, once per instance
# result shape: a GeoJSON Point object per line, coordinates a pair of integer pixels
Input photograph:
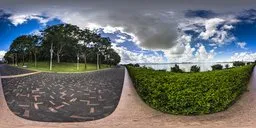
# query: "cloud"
{"type": "Point", "coordinates": [202, 55]}
{"type": "Point", "coordinates": [120, 39]}
{"type": "Point", "coordinates": [18, 19]}
{"type": "Point", "coordinates": [210, 28]}
{"type": "Point", "coordinates": [137, 57]}
{"type": "Point", "coordinates": [241, 45]}
{"type": "Point", "coordinates": [2, 53]}
{"type": "Point", "coordinates": [243, 56]}
{"type": "Point", "coordinates": [200, 13]}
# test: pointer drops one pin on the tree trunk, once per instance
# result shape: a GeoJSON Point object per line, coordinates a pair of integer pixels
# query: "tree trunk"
{"type": "Point", "coordinates": [30, 57]}
{"type": "Point", "coordinates": [58, 57]}
{"type": "Point", "coordinates": [85, 66]}
{"type": "Point", "coordinates": [16, 57]}
{"type": "Point", "coordinates": [77, 63]}
{"type": "Point", "coordinates": [13, 59]}
{"type": "Point", "coordinates": [35, 61]}
{"type": "Point", "coordinates": [23, 58]}
{"type": "Point", "coordinates": [99, 62]}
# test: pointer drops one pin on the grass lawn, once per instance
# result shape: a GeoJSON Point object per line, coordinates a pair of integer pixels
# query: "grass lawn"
{"type": "Point", "coordinates": [61, 67]}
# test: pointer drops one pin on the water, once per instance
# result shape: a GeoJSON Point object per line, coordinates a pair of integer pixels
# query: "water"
{"type": "Point", "coordinates": [186, 67]}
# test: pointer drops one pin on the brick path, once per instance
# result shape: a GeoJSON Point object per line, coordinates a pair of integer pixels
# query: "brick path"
{"type": "Point", "coordinates": [6, 70]}
{"type": "Point", "coordinates": [56, 97]}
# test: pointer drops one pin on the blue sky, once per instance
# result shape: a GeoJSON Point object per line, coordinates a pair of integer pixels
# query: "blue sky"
{"type": "Point", "coordinates": [197, 36]}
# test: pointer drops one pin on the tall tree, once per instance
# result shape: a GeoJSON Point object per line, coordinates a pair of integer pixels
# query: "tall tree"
{"type": "Point", "coordinates": [34, 46]}
{"type": "Point", "coordinates": [59, 36]}
{"type": "Point", "coordinates": [86, 38]}
{"type": "Point", "coordinates": [21, 45]}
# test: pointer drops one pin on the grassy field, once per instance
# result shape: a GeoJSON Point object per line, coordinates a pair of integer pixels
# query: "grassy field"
{"type": "Point", "coordinates": [190, 93]}
{"type": "Point", "coordinates": [61, 67]}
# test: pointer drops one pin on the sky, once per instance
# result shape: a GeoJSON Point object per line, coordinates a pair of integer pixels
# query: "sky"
{"type": "Point", "coordinates": [146, 31]}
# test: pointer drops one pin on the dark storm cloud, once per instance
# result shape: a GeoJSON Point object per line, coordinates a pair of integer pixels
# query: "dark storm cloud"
{"type": "Point", "coordinates": [154, 22]}
{"type": "Point", "coordinates": [200, 13]}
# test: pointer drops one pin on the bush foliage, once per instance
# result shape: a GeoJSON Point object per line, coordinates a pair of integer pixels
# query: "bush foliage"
{"type": "Point", "coordinates": [190, 93]}
{"type": "Point", "coordinates": [238, 63]}
{"type": "Point", "coordinates": [195, 68]}
{"type": "Point", "coordinates": [217, 67]}
{"type": "Point", "coordinates": [176, 69]}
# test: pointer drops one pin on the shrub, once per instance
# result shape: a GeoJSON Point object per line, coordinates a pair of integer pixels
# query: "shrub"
{"type": "Point", "coordinates": [238, 63]}
{"type": "Point", "coordinates": [217, 67]}
{"type": "Point", "coordinates": [176, 69]}
{"type": "Point", "coordinates": [190, 93]}
{"type": "Point", "coordinates": [195, 68]}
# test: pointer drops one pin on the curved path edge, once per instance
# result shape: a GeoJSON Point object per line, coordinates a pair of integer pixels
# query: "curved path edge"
{"type": "Point", "coordinates": [20, 75]}
{"type": "Point", "coordinates": [132, 112]}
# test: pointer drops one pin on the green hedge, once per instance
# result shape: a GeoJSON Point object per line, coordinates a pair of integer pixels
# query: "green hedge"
{"type": "Point", "coordinates": [190, 93]}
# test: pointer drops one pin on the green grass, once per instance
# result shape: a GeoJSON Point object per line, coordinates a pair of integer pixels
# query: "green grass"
{"type": "Point", "coordinates": [190, 93]}
{"type": "Point", "coordinates": [61, 67]}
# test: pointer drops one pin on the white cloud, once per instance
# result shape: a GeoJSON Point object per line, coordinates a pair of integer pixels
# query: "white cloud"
{"type": "Point", "coordinates": [137, 57]}
{"type": "Point", "coordinates": [241, 45]}
{"type": "Point", "coordinates": [214, 30]}
{"type": "Point", "coordinates": [110, 29]}
{"type": "Point", "coordinates": [36, 32]}
{"type": "Point", "coordinates": [202, 55]}
{"type": "Point", "coordinates": [218, 35]}
{"type": "Point", "coordinates": [228, 27]}
{"type": "Point", "coordinates": [18, 19]}
{"type": "Point", "coordinates": [210, 28]}
{"type": "Point", "coordinates": [2, 53]}
{"type": "Point", "coordinates": [243, 56]}
{"type": "Point", "coordinates": [120, 39]}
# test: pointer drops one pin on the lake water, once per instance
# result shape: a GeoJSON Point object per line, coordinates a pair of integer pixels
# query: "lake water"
{"type": "Point", "coordinates": [186, 67]}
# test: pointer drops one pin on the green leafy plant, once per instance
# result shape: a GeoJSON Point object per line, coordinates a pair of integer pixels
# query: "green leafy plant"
{"type": "Point", "coordinates": [176, 69]}
{"type": "Point", "coordinates": [238, 63]}
{"type": "Point", "coordinates": [195, 68]}
{"type": "Point", "coordinates": [190, 93]}
{"type": "Point", "coordinates": [217, 67]}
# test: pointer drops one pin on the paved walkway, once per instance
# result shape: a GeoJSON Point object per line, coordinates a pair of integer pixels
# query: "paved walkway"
{"type": "Point", "coordinates": [53, 97]}
{"type": "Point", "coordinates": [6, 70]}
{"type": "Point", "coordinates": [132, 112]}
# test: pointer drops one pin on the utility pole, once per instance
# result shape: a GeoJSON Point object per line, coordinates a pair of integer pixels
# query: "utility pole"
{"type": "Point", "coordinates": [51, 52]}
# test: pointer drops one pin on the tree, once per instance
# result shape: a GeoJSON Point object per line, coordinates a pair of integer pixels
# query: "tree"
{"type": "Point", "coordinates": [195, 68]}
{"type": "Point", "coordinates": [217, 67]}
{"type": "Point", "coordinates": [238, 63]}
{"type": "Point", "coordinates": [86, 38]}
{"type": "Point", "coordinates": [21, 45]}
{"type": "Point", "coordinates": [59, 36]}
{"type": "Point", "coordinates": [33, 46]}
{"type": "Point", "coordinates": [136, 65]}
{"type": "Point", "coordinates": [227, 66]}
{"type": "Point", "coordinates": [176, 69]}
